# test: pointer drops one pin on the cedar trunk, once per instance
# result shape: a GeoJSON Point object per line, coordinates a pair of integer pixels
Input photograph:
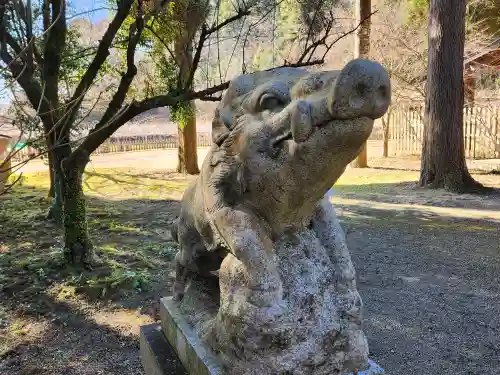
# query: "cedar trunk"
{"type": "Point", "coordinates": [186, 128]}
{"type": "Point", "coordinates": [443, 155]}
{"type": "Point", "coordinates": [362, 50]}
{"type": "Point", "coordinates": [187, 152]}
{"type": "Point", "coordinates": [385, 128]}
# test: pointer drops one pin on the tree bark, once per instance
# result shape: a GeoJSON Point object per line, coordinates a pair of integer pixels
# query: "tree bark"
{"type": "Point", "coordinates": [187, 151]}
{"type": "Point", "coordinates": [385, 127]}
{"type": "Point", "coordinates": [51, 174]}
{"type": "Point", "coordinates": [443, 157]}
{"type": "Point", "coordinates": [68, 168]}
{"type": "Point", "coordinates": [185, 59]}
{"type": "Point", "coordinates": [55, 213]}
{"type": "Point", "coordinates": [78, 249]}
{"type": "Point", "coordinates": [362, 50]}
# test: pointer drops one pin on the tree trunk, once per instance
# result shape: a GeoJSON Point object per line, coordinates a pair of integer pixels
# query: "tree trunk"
{"type": "Point", "coordinates": [186, 127]}
{"type": "Point", "coordinates": [78, 249]}
{"type": "Point", "coordinates": [55, 213]}
{"type": "Point", "coordinates": [187, 152]}
{"type": "Point", "coordinates": [69, 168]}
{"type": "Point", "coordinates": [443, 156]}
{"type": "Point", "coordinates": [362, 50]}
{"type": "Point", "coordinates": [385, 127]}
{"type": "Point", "coordinates": [51, 173]}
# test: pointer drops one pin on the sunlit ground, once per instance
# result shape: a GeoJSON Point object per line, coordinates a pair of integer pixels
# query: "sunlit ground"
{"type": "Point", "coordinates": [56, 319]}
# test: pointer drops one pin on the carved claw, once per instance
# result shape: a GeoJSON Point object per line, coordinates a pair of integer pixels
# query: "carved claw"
{"type": "Point", "coordinates": [177, 297]}
{"type": "Point", "coordinates": [178, 292]}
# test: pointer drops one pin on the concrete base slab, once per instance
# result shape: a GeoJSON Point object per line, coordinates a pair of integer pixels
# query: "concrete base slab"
{"type": "Point", "coordinates": [157, 355]}
{"type": "Point", "coordinates": [197, 358]}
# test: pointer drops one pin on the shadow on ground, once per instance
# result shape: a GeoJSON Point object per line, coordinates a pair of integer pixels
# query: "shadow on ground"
{"type": "Point", "coordinates": [431, 288]}
{"type": "Point", "coordinates": [428, 268]}
{"type": "Point", "coordinates": [408, 192]}
{"type": "Point", "coordinates": [68, 340]}
{"type": "Point", "coordinates": [65, 341]}
{"type": "Point", "coordinates": [131, 238]}
{"type": "Point", "coordinates": [59, 320]}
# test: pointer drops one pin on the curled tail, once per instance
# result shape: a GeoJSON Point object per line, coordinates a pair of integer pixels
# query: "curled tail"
{"type": "Point", "coordinates": [174, 230]}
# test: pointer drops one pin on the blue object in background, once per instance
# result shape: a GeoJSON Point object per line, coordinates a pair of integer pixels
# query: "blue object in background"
{"type": "Point", "coordinates": [373, 370]}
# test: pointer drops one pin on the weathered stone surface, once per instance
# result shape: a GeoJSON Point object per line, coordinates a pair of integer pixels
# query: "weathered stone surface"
{"type": "Point", "coordinates": [198, 358]}
{"type": "Point", "coordinates": [157, 355]}
{"type": "Point", "coordinates": [286, 300]}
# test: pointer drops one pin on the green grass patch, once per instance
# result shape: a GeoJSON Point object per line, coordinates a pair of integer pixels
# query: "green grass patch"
{"type": "Point", "coordinates": [128, 240]}
{"type": "Point", "coordinates": [373, 180]}
{"type": "Point", "coordinates": [128, 211]}
{"type": "Point", "coordinates": [109, 281]}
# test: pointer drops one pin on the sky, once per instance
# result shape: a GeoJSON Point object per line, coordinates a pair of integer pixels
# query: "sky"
{"type": "Point", "coordinates": [91, 9]}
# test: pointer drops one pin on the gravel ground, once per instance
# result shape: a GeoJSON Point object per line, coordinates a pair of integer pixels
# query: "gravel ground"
{"type": "Point", "coordinates": [166, 159]}
{"type": "Point", "coordinates": [431, 291]}
{"type": "Point", "coordinates": [428, 267]}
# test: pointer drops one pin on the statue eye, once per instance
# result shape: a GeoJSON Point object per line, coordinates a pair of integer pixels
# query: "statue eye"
{"type": "Point", "coordinates": [270, 102]}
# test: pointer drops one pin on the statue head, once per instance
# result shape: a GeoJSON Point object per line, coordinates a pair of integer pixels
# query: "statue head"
{"type": "Point", "coordinates": [290, 134]}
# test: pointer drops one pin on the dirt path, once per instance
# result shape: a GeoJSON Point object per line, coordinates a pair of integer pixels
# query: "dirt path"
{"type": "Point", "coordinates": [430, 283]}
{"type": "Point", "coordinates": [428, 268]}
{"type": "Point", "coordinates": [167, 160]}
{"type": "Point", "coordinates": [152, 160]}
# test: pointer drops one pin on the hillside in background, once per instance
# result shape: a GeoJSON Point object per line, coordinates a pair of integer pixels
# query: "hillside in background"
{"type": "Point", "coordinates": [156, 121]}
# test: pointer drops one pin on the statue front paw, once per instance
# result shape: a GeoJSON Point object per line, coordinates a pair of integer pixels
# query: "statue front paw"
{"type": "Point", "coordinates": [178, 291]}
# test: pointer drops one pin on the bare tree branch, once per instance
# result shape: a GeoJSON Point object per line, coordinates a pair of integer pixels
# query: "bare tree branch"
{"type": "Point", "coordinates": [309, 50]}
{"type": "Point", "coordinates": [100, 57]}
{"type": "Point", "coordinates": [205, 33]}
{"type": "Point", "coordinates": [136, 108]}
{"type": "Point", "coordinates": [54, 45]}
{"type": "Point", "coordinates": [160, 39]}
{"type": "Point", "coordinates": [11, 185]}
{"type": "Point", "coordinates": [241, 13]}
{"type": "Point", "coordinates": [91, 143]}
{"type": "Point", "coordinates": [196, 60]}
{"type": "Point", "coordinates": [25, 79]}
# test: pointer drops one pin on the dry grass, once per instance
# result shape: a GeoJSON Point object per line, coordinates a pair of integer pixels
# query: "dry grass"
{"type": "Point", "coordinates": [49, 307]}
{"type": "Point", "coordinates": [60, 320]}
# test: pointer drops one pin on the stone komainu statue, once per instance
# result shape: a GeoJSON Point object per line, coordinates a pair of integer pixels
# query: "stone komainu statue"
{"type": "Point", "coordinates": [285, 301]}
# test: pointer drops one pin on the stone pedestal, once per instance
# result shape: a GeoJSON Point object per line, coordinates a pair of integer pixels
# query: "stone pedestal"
{"type": "Point", "coordinates": [165, 347]}
{"type": "Point", "coordinates": [285, 300]}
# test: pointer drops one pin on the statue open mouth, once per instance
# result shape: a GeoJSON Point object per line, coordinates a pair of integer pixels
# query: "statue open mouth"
{"type": "Point", "coordinates": [360, 90]}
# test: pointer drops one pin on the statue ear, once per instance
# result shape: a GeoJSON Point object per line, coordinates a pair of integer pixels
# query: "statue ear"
{"type": "Point", "coordinates": [219, 129]}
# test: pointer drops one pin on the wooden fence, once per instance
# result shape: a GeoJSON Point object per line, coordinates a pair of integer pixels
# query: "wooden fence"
{"type": "Point", "coordinates": [481, 131]}
{"type": "Point", "coordinates": [406, 128]}
{"type": "Point", "coordinates": [128, 143]}
{"type": "Point", "coordinates": [148, 142]}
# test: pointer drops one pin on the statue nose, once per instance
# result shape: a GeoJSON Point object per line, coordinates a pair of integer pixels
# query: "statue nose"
{"type": "Point", "coordinates": [362, 88]}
